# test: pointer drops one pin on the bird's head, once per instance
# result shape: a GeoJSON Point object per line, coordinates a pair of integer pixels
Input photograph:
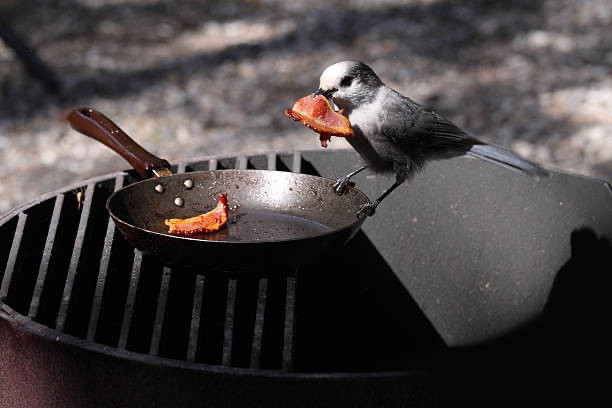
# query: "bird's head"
{"type": "Point", "coordinates": [349, 84]}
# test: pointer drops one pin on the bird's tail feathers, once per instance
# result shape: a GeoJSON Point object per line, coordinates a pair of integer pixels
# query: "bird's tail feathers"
{"type": "Point", "coordinates": [506, 158]}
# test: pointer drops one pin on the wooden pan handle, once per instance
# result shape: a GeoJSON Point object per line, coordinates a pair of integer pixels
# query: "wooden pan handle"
{"type": "Point", "coordinates": [97, 126]}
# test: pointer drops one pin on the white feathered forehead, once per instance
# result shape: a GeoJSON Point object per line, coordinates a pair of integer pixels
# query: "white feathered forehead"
{"type": "Point", "coordinates": [333, 74]}
{"type": "Point", "coordinates": [331, 77]}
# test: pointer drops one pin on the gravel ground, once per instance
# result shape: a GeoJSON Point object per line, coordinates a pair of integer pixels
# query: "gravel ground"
{"type": "Point", "coordinates": [191, 78]}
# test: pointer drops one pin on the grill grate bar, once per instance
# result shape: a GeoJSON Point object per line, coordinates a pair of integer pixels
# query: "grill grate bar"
{"type": "Point", "coordinates": [74, 260]}
{"type": "Point", "coordinates": [228, 332]}
{"type": "Point", "coordinates": [297, 162]}
{"type": "Point", "coordinates": [260, 311]}
{"type": "Point", "coordinates": [46, 257]}
{"type": "Point", "coordinates": [287, 364]}
{"type": "Point", "coordinates": [195, 318]}
{"type": "Point", "coordinates": [12, 259]}
{"type": "Point", "coordinates": [104, 261]}
{"type": "Point", "coordinates": [242, 163]}
{"type": "Point", "coordinates": [128, 311]}
{"type": "Point", "coordinates": [180, 168]}
{"type": "Point", "coordinates": [212, 164]}
{"type": "Point", "coordinates": [161, 309]}
{"type": "Point", "coordinates": [271, 161]}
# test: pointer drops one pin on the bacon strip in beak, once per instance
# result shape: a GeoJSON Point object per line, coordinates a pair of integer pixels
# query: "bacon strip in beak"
{"type": "Point", "coordinates": [316, 113]}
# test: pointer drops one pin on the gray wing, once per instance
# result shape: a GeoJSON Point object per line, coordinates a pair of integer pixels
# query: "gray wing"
{"type": "Point", "coordinates": [411, 126]}
{"type": "Point", "coordinates": [423, 133]}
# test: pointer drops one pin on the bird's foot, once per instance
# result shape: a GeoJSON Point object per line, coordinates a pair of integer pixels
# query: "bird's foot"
{"type": "Point", "coordinates": [341, 184]}
{"type": "Point", "coordinates": [368, 209]}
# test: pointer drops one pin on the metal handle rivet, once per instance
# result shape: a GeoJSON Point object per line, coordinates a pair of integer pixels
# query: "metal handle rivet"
{"type": "Point", "coordinates": [188, 184]}
{"type": "Point", "coordinates": [159, 188]}
{"type": "Point", "coordinates": [179, 201]}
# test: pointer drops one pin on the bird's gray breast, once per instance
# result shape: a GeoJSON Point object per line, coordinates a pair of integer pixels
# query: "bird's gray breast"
{"type": "Point", "coordinates": [374, 147]}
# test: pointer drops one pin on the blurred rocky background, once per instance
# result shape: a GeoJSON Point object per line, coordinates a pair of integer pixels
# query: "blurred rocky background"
{"type": "Point", "coordinates": [190, 78]}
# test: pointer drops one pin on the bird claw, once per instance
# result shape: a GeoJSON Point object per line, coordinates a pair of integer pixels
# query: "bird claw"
{"type": "Point", "coordinates": [368, 209]}
{"type": "Point", "coordinates": [340, 185]}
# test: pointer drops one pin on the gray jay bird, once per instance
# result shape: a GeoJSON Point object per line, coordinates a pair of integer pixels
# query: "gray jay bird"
{"type": "Point", "coordinates": [394, 134]}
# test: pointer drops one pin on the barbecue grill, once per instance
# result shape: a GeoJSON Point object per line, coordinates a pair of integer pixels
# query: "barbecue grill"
{"type": "Point", "coordinates": [450, 281]}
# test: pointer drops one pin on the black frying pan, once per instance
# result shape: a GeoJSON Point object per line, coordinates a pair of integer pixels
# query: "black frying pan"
{"type": "Point", "coordinates": [275, 217]}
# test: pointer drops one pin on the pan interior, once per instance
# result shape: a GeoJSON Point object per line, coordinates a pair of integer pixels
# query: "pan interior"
{"type": "Point", "coordinates": [261, 225]}
{"type": "Point", "coordinates": [263, 205]}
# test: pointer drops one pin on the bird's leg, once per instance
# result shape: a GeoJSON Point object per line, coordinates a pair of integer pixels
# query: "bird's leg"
{"type": "Point", "coordinates": [341, 184]}
{"type": "Point", "coordinates": [401, 175]}
{"type": "Point", "coordinates": [370, 208]}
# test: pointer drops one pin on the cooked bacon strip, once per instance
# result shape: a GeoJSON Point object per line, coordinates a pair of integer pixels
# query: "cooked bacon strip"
{"type": "Point", "coordinates": [209, 222]}
{"type": "Point", "coordinates": [316, 113]}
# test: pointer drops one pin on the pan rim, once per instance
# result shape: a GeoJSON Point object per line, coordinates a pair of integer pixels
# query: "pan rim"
{"type": "Point", "coordinates": [358, 220]}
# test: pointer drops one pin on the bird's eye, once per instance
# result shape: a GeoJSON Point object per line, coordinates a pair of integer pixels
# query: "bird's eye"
{"type": "Point", "coordinates": [346, 81]}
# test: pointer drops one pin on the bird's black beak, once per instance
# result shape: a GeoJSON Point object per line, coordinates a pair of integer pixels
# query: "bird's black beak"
{"type": "Point", "coordinates": [327, 94]}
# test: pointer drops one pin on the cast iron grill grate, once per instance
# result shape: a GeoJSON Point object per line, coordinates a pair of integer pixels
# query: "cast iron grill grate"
{"type": "Point", "coordinates": [65, 266]}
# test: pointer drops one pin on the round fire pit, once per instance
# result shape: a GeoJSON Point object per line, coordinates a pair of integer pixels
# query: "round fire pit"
{"type": "Point", "coordinates": [448, 280]}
